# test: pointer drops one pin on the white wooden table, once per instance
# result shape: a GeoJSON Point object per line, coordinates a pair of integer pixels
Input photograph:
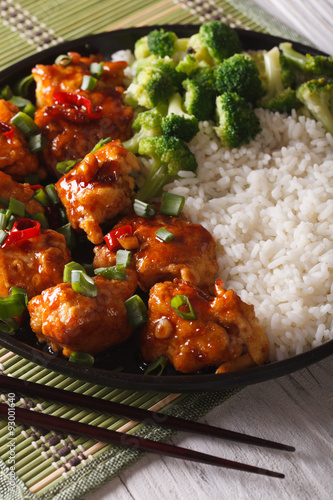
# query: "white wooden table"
{"type": "Point", "coordinates": [295, 409]}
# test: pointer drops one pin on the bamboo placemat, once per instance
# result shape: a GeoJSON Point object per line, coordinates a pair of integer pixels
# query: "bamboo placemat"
{"type": "Point", "coordinates": [48, 465]}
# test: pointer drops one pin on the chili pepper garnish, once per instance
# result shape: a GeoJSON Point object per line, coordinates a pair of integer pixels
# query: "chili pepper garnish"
{"type": "Point", "coordinates": [6, 130]}
{"type": "Point", "coordinates": [79, 103]}
{"type": "Point", "coordinates": [23, 229]}
{"type": "Point", "coordinates": [112, 238]}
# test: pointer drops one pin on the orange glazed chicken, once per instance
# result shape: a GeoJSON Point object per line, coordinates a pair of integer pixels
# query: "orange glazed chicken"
{"type": "Point", "coordinates": [21, 192]}
{"type": "Point", "coordinates": [32, 258]}
{"type": "Point", "coordinates": [78, 120]}
{"type": "Point", "coordinates": [15, 157]}
{"type": "Point", "coordinates": [98, 188]}
{"type": "Point", "coordinates": [70, 321]}
{"type": "Point", "coordinates": [190, 255]}
{"type": "Point", "coordinates": [194, 330]}
{"type": "Point", "coordinates": [67, 75]}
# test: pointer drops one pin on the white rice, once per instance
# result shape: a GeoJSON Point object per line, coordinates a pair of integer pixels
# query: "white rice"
{"type": "Point", "coordinates": [269, 206]}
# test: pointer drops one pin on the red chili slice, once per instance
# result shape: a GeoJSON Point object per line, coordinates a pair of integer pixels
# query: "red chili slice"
{"type": "Point", "coordinates": [81, 104]}
{"type": "Point", "coordinates": [112, 237]}
{"type": "Point", "coordinates": [23, 229]}
{"type": "Point", "coordinates": [6, 130]}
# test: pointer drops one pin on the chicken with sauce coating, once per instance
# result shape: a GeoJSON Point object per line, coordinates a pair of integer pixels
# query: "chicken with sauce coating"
{"type": "Point", "coordinates": [190, 255]}
{"type": "Point", "coordinates": [71, 322]}
{"type": "Point", "coordinates": [21, 192]}
{"type": "Point", "coordinates": [222, 328]}
{"type": "Point", "coordinates": [98, 189]}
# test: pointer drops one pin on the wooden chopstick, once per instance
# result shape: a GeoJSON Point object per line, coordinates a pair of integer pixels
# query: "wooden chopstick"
{"type": "Point", "coordinates": [49, 422]}
{"type": "Point", "coordinates": [138, 414]}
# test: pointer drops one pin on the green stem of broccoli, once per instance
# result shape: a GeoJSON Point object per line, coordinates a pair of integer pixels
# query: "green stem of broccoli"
{"type": "Point", "coordinates": [157, 178]}
{"type": "Point", "coordinates": [175, 105]}
{"type": "Point", "coordinates": [295, 58]}
{"type": "Point", "coordinates": [132, 144]}
{"type": "Point", "coordinates": [273, 71]}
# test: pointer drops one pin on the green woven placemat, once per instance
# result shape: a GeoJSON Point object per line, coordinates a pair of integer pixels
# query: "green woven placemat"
{"type": "Point", "coordinates": [49, 465]}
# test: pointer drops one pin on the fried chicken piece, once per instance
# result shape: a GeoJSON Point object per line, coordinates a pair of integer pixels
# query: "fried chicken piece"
{"type": "Point", "coordinates": [224, 328]}
{"type": "Point", "coordinates": [98, 188]}
{"type": "Point", "coordinates": [70, 321]}
{"type": "Point", "coordinates": [34, 264]}
{"type": "Point", "coordinates": [15, 157]}
{"type": "Point", "coordinates": [71, 135]}
{"type": "Point", "coordinates": [191, 255]}
{"type": "Point", "coordinates": [68, 78]}
{"type": "Point", "coordinates": [21, 192]}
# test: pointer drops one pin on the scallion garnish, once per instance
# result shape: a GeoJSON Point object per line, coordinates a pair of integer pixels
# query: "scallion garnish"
{"type": "Point", "coordinates": [96, 69]}
{"type": "Point", "coordinates": [68, 232]}
{"type": "Point", "coordinates": [41, 218]}
{"type": "Point", "coordinates": [16, 207]}
{"type": "Point", "coordinates": [14, 304]}
{"type": "Point", "coordinates": [82, 358]}
{"type": "Point", "coordinates": [172, 204]}
{"type": "Point", "coordinates": [24, 123]}
{"type": "Point", "coordinates": [136, 311]}
{"type": "Point", "coordinates": [100, 144]}
{"type": "Point", "coordinates": [3, 236]}
{"type": "Point", "coordinates": [20, 102]}
{"type": "Point", "coordinates": [88, 82]}
{"type": "Point", "coordinates": [4, 217]}
{"type": "Point", "coordinates": [6, 93]}
{"type": "Point", "coordinates": [4, 202]}
{"type": "Point", "coordinates": [63, 215]}
{"type": "Point", "coordinates": [160, 363]}
{"type": "Point", "coordinates": [10, 222]}
{"type": "Point", "coordinates": [71, 266]}
{"type": "Point", "coordinates": [30, 109]}
{"type": "Point", "coordinates": [42, 197]}
{"type": "Point", "coordinates": [52, 194]}
{"type": "Point", "coordinates": [18, 290]}
{"type": "Point", "coordinates": [63, 59]}
{"type": "Point", "coordinates": [22, 87]}
{"type": "Point", "coordinates": [182, 300]}
{"type": "Point", "coordinates": [36, 143]}
{"type": "Point", "coordinates": [143, 209]}
{"type": "Point", "coordinates": [83, 284]}
{"type": "Point", "coordinates": [123, 258]}
{"type": "Point", "coordinates": [117, 272]}
{"type": "Point", "coordinates": [65, 166]}
{"type": "Point", "coordinates": [164, 235]}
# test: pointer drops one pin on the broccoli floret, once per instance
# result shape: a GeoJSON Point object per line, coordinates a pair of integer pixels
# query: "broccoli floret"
{"type": "Point", "coordinates": [141, 49]}
{"type": "Point", "coordinates": [317, 96]}
{"type": "Point", "coordinates": [147, 124]}
{"type": "Point", "coordinates": [177, 123]}
{"type": "Point", "coordinates": [187, 65]}
{"type": "Point", "coordinates": [204, 76]}
{"type": "Point", "coordinates": [214, 42]}
{"type": "Point", "coordinates": [169, 156]}
{"type": "Point", "coordinates": [198, 101]}
{"type": "Point", "coordinates": [161, 43]}
{"type": "Point", "coordinates": [306, 63]}
{"type": "Point", "coordinates": [278, 80]}
{"type": "Point", "coordinates": [237, 123]}
{"type": "Point", "coordinates": [151, 87]}
{"type": "Point", "coordinates": [239, 73]}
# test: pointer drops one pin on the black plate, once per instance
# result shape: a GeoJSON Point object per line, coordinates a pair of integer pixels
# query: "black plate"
{"type": "Point", "coordinates": [127, 355]}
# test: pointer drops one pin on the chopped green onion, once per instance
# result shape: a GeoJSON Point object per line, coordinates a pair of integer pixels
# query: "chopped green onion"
{"type": "Point", "coordinates": [71, 266]}
{"type": "Point", "coordinates": [83, 284]}
{"type": "Point", "coordinates": [30, 110]}
{"type": "Point", "coordinates": [4, 217]}
{"type": "Point", "coordinates": [160, 363]}
{"type": "Point", "coordinates": [22, 87]}
{"type": "Point", "coordinates": [13, 305]}
{"type": "Point", "coordinates": [63, 59]}
{"type": "Point", "coordinates": [10, 222]}
{"type": "Point", "coordinates": [123, 258]}
{"type": "Point", "coordinates": [52, 194]}
{"type": "Point", "coordinates": [88, 82]}
{"type": "Point", "coordinates": [24, 123]}
{"type": "Point", "coordinates": [3, 236]}
{"type": "Point", "coordinates": [8, 325]}
{"type": "Point", "coordinates": [172, 204]}
{"type": "Point", "coordinates": [4, 202]}
{"type": "Point", "coordinates": [143, 209]}
{"type": "Point", "coordinates": [20, 102]}
{"type": "Point", "coordinates": [65, 166]}
{"type": "Point", "coordinates": [16, 290]}
{"type": "Point", "coordinates": [100, 144]}
{"type": "Point", "coordinates": [16, 207]}
{"type": "Point", "coordinates": [36, 143]}
{"type": "Point", "coordinates": [82, 358]}
{"type": "Point", "coordinates": [6, 93]}
{"type": "Point", "coordinates": [136, 311]}
{"type": "Point", "coordinates": [96, 69]}
{"type": "Point", "coordinates": [62, 215]}
{"type": "Point", "coordinates": [41, 218]}
{"type": "Point", "coordinates": [42, 197]}
{"type": "Point", "coordinates": [164, 235]}
{"type": "Point", "coordinates": [117, 272]}
{"type": "Point", "coordinates": [179, 300]}
{"type": "Point", "coordinates": [68, 232]}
